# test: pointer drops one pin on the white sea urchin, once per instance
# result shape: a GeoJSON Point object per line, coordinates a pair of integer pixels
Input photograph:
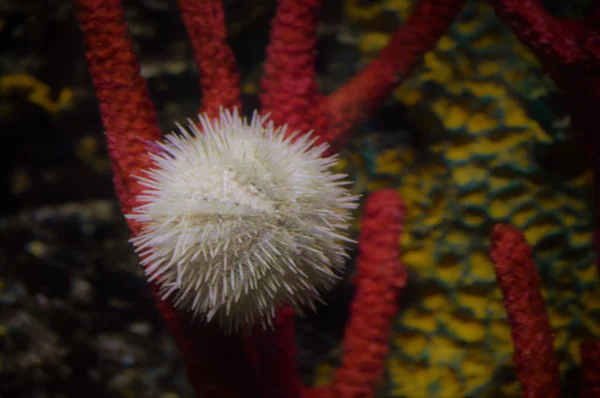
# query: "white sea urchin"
{"type": "Point", "coordinates": [238, 219]}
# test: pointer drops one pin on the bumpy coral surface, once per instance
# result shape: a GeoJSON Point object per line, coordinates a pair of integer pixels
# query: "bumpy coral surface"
{"type": "Point", "coordinates": [495, 150]}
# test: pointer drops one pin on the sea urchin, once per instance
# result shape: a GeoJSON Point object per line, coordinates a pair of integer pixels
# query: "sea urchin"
{"type": "Point", "coordinates": [240, 218]}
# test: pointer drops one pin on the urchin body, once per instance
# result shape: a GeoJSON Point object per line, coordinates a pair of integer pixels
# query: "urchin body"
{"type": "Point", "coordinates": [238, 220]}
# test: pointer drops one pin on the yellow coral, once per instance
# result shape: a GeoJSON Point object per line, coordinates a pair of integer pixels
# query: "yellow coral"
{"type": "Point", "coordinates": [37, 92]}
{"type": "Point", "coordinates": [452, 337]}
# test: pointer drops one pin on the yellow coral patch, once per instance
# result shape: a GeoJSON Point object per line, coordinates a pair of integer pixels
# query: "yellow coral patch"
{"type": "Point", "coordinates": [482, 168]}
{"type": "Point", "coordinates": [455, 115]}
{"type": "Point", "coordinates": [474, 218]}
{"type": "Point", "coordinates": [474, 197]}
{"type": "Point", "coordinates": [574, 350]}
{"type": "Point", "coordinates": [588, 275]}
{"type": "Point", "coordinates": [559, 318]}
{"type": "Point", "coordinates": [374, 41]}
{"type": "Point", "coordinates": [414, 319]}
{"type": "Point", "coordinates": [523, 215]}
{"type": "Point", "coordinates": [37, 91]}
{"type": "Point", "coordinates": [488, 68]}
{"type": "Point", "coordinates": [499, 209]}
{"type": "Point", "coordinates": [458, 238]}
{"type": "Point", "coordinates": [420, 259]}
{"type": "Point", "coordinates": [480, 122]}
{"type": "Point", "coordinates": [323, 374]}
{"type": "Point", "coordinates": [434, 298]}
{"type": "Point", "coordinates": [465, 328]}
{"type": "Point", "coordinates": [469, 173]}
{"type": "Point", "coordinates": [444, 350]}
{"type": "Point", "coordinates": [411, 343]}
{"type": "Point", "coordinates": [477, 372]}
{"type": "Point", "coordinates": [481, 266]}
{"type": "Point", "coordinates": [446, 43]}
{"type": "Point", "coordinates": [477, 302]}
{"type": "Point", "coordinates": [428, 381]}
{"type": "Point", "coordinates": [449, 269]}
{"type": "Point", "coordinates": [437, 70]}
{"type": "Point", "coordinates": [357, 10]}
{"type": "Point", "coordinates": [536, 232]}
{"type": "Point", "coordinates": [579, 239]}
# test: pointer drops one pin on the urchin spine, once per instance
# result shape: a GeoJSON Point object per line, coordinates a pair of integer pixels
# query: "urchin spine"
{"type": "Point", "coordinates": [239, 218]}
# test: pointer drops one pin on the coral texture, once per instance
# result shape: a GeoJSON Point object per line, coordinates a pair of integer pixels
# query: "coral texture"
{"type": "Point", "coordinates": [379, 279]}
{"type": "Point", "coordinates": [537, 366]}
{"type": "Point", "coordinates": [495, 152]}
{"type": "Point", "coordinates": [490, 146]}
{"type": "Point", "coordinates": [566, 49]}
{"type": "Point", "coordinates": [289, 88]}
{"type": "Point", "coordinates": [219, 80]}
{"type": "Point", "coordinates": [130, 122]}
{"type": "Point", "coordinates": [203, 351]}
{"type": "Point", "coordinates": [127, 112]}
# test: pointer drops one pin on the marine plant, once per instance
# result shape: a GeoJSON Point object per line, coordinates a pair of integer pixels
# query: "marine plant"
{"type": "Point", "coordinates": [263, 362]}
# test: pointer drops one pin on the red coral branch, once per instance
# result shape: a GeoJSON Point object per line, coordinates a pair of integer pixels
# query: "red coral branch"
{"type": "Point", "coordinates": [289, 86]}
{"type": "Point", "coordinates": [356, 100]}
{"type": "Point", "coordinates": [219, 78]}
{"type": "Point", "coordinates": [289, 94]}
{"type": "Point", "coordinates": [130, 121]}
{"type": "Point", "coordinates": [559, 42]}
{"type": "Point", "coordinates": [275, 353]}
{"type": "Point", "coordinates": [379, 279]}
{"type": "Point", "coordinates": [590, 369]}
{"type": "Point", "coordinates": [127, 112]}
{"type": "Point", "coordinates": [570, 53]}
{"type": "Point", "coordinates": [535, 358]}
{"type": "Point", "coordinates": [216, 365]}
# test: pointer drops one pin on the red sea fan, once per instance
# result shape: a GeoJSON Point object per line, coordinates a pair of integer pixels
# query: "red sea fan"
{"type": "Point", "coordinates": [263, 364]}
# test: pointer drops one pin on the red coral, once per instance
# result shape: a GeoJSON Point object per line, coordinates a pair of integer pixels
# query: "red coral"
{"type": "Point", "coordinates": [275, 357]}
{"type": "Point", "coordinates": [535, 358]}
{"type": "Point", "coordinates": [570, 53]}
{"type": "Point", "coordinates": [219, 79]}
{"type": "Point", "coordinates": [351, 104]}
{"type": "Point", "coordinates": [289, 86]}
{"type": "Point", "coordinates": [290, 94]}
{"type": "Point", "coordinates": [590, 366]}
{"type": "Point", "coordinates": [130, 121]}
{"type": "Point", "coordinates": [379, 279]}
{"type": "Point", "coordinates": [127, 112]}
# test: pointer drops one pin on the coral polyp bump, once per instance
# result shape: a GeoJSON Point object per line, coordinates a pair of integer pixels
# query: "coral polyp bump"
{"type": "Point", "coordinates": [240, 217]}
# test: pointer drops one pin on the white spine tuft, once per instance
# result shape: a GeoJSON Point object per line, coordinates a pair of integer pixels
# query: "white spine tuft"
{"type": "Point", "coordinates": [237, 220]}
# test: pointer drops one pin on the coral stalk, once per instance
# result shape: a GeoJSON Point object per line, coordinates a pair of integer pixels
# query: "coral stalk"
{"type": "Point", "coordinates": [379, 280]}
{"type": "Point", "coordinates": [557, 42]}
{"type": "Point", "coordinates": [289, 95]}
{"type": "Point", "coordinates": [569, 51]}
{"type": "Point", "coordinates": [357, 99]}
{"type": "Point", "coordinates": [130, 121]}
{"type": "Point", "coordinates": [290, 91]}
{"type": "Point", "coordinates": [275, 357]}
{"type": "Point", "coordinates": [219, 78]}
{"type": "Point", "coordinates": [125, 107]}
{"type": "Point", "coordinates": [534, 356]}
{"type": "Point", "coordinates": [590, 369]}
{"type": "Point", "coordinates": [289, 86]}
